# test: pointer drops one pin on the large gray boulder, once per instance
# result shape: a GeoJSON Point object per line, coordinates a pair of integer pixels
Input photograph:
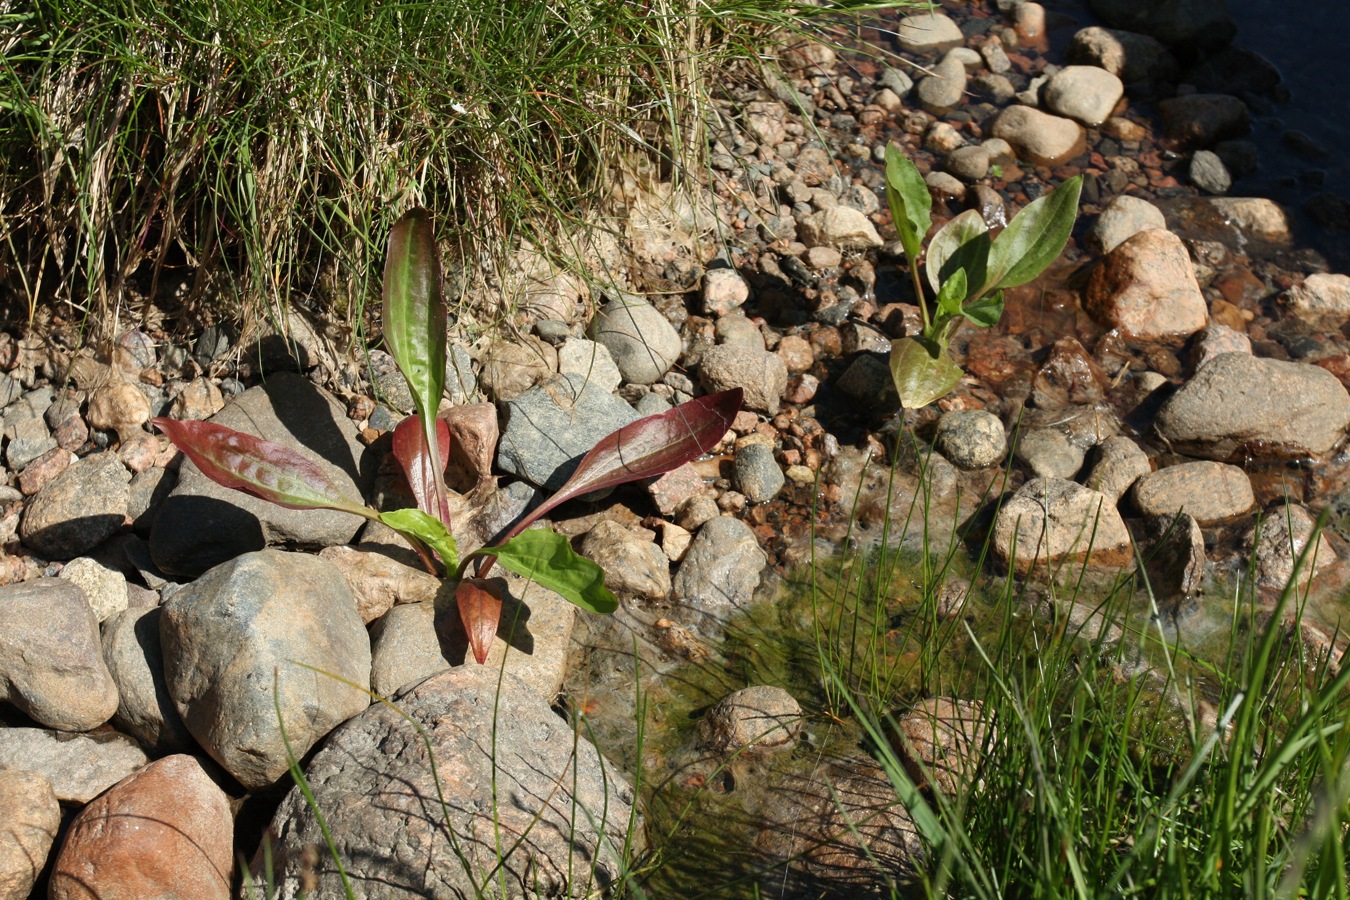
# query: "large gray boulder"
{"type": "Point", "coordinates": [1242, 405]}
{"type": "Point", "coordinates": [201, 524]}
{"type": "Point", "coordinates": [248, 628]}
{"type": "Point", "coordinates": [531, 810]}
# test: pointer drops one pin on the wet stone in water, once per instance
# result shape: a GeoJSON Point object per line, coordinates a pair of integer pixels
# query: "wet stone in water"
{"type": "Point", "coordinates": [753, 719]}
{"type": "Point", "coordinates": [971, 438]}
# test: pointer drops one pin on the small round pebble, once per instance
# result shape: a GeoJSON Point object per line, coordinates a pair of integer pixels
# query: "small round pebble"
{"type": "Point", "coordinates": [757, 473]}
{"type": "Point", "coordinates": [971, 438]}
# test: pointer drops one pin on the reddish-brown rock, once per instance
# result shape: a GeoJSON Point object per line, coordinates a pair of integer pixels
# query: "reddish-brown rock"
{"type": "Point", "coordinates": [164, 832]}
{"type": "Point", "coordinates": [1147, 289]}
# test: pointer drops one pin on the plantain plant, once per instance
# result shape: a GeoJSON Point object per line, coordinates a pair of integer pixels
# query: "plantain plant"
{"type": "Point", "coordinates": [966, 269]}
{"type": "Point", "coordinates": [415, 319]}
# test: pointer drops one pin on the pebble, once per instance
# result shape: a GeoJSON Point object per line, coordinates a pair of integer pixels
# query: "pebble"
{"type": "Point", "coordinates": [228, 635]}
{"type": "Point", "coordinates": [38, 473]}
{"type": "Point", "coordinates": [1038, 137]}
{"type": "Point", "coordinates": [32, 819]}
{"type": "Point", "coordinates": [939, 92]}
{"type": "Point", "coordinates": [634, 566]}
{"type": "Point", "coordinates": [1134, 58]}
{"type": "Point", "coordinates": [761, 374]}
{"type": "Point", "coordinates": [721, 569]}
{"type": "Point", "coordinates": [723, 290]}
{"type": "Point", "coordinates": [29, 440]}
{"type": "Point", "coordinates": [405, 648]}
{"type": "Point", "coordinates": [968, 163]}
{"type": "Point", "coordinates": [1323, 299]}
{"type": "Point", "coordinates": [674, 488]}
{"type": "Point", "coordinates": [511, 367]}
{"type": "Point", "coordinates": [643, 343]}
{"type": "Point", "coordinates": [1276, 542]}
{"type": "Point", "coordinates": [134, 656]}
{"type": "Point", "coordinates": [841, 227]}
{"type": "Point", "coordinates": [1173, 549]}
{"type": "Point", "coordinates": [372, 780]}
{"type": "Point", "coordinates": [51, 664]}
{"type": "Point", "coordinates": [104, 588]}
{"type": "Point", "coordinates": [118, 406]}
{"type": "Point", "coordinates": [1265, 408]}
{"type": "Point", "coordinates": [943, 185]}
{"type": "Point", "coordinates": [1210, 492]}
{"type": "Point", "coordinates": [997, 88]}
{"type": "Point", "coordinates": [592, 361]}
{"type": "Point", "coordinates": [1085, 93]}
{"type": "Point", "coordinates": [200, 399]}
{"type": "Point", "coordinates": [1068, 377]}
{"type": "Point", "coordinates": [1119, 463]}
{"type": "Point", "coordinates": [696, 511]}
{"type": "Point", "coordinates": [752, 720]}
{"type": "Point", "coordinates": [1202, 120]}
{"type": "Point", "coordinates": [547, 429]}
{"type": "Point", "coordinates": [378, 582]}
{"type": "Point", "coordinates": [1217, 339]}
{"type": "Point", "coordinates": [1124, 217]}
{"type": "Point", "coordinates": [1051, 521]}
{"type": "Point", "coordinates": [738, 331]}
{"type": "Point", "coordinates": [927, 32]}
{"type": "Point", "coordinates": [201, 524]}
{"type": "Point", "coordinates": [971, 438]}
{"type": "Point", "coordinates": [79, 766]}
{"type": "Point", "coordinates": [1208, 173]}
{"type": "Point", "coordinates": [896, 81]}
{"type": "Point", "coordinates": [1146, 288]}
{"type": "Point", "coordinates": [1253, 217]}
{"type": "Point", "coordinates": [165, 831]}
{"type": "Point", "coordinates": [757, 473]}
{"type": "Point", "coordinates": [1049, 453]}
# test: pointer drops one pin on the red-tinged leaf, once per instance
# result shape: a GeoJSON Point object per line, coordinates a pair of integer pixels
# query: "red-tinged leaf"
{"type": "Point", "coordinates": [410, 449]}
{"type": "Point", "coordinates": [262, 468]}
{"type": "Point", "coordinates": [651, 446]}
{"type": "Point", "coordinates": [415, 317]}
{"type": "Point", "coordinates": [479, 610]}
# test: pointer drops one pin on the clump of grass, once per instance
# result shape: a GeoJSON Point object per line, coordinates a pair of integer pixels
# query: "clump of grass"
{"type": "Point", "coordinates": [250, 155]}
{"type": "Point", "coordinates": [1107, 773]}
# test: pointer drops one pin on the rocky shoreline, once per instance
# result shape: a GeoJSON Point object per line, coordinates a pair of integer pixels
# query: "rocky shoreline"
{"type": "Point", "coordinates": [1179, 374]}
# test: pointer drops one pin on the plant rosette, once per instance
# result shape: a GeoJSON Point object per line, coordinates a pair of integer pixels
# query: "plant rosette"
{"type": "Point", "coordinates": [415, 321]}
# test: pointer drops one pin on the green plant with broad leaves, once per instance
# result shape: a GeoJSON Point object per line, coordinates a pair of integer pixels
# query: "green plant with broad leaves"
{"type": "Point", "coordinates": [967, 269]}
{"type": "Point", "coordinates": [415, 319]}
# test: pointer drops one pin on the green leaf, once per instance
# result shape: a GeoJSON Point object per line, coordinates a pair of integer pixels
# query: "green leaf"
{"type": "Point", "coordinates": [547, 557]}
{"type": "Point", "coordinates": [427, 529]}
{"type": "Point", "coordinates": [985, 311]}
{"type": "Point", "coordinates": [923, 372]}
{"type": "Point", "coordinates": [950, 298]}
{"type": "Point", "coordinates": [911, 204]}
{"type": "Point", "coordinates": [963, 243]}
{"type": "Point", "coordinates": [1035, 237]}
{"type": "Point", "coordinates": [415, 317]}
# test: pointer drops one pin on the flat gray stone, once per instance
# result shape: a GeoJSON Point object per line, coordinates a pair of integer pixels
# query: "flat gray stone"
{"type": "Point", "coordinates": [1210, 492]}
{"type": "Point", "coordinates": [201, 524]}
{"type": "Point", "coordinates": [1050, 521]}
{"type": "Point", "coordinates": [547, 429]}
